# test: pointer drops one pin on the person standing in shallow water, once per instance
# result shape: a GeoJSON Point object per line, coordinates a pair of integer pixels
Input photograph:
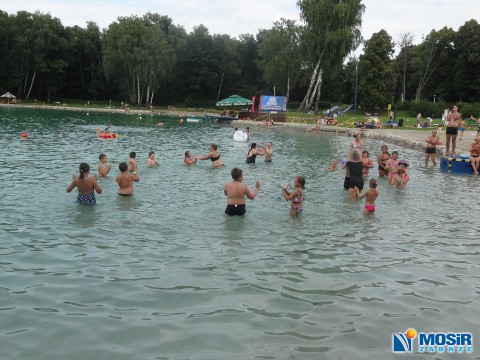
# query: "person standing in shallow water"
{"type": "Point", "coordinates": [253, 153]}
{"type": "Point", "coordinates": [103, 167]}
{"type": "Point", "coordinates": [213, 156]}
{"type": "Point", "coordinates": [431, 149]}
{"type": "Point", "coordinates": [354, 166]}
{"type": "Point", "coordinates": [236, 191]}
{"type": "Point", "coordinates": [382, 160]}
{"type": "Point", "coordinates": [125, 180]}
{"type": "Point", "coordinates": [86, 186]}
{"type": "Point", "coordinates": [269, 152]}
{"type": "Point", "coordinates": [296, 196]}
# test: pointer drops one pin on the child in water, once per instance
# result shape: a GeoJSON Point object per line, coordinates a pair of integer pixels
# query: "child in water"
{"type": "Point", "coordinates": [132, 162]}
{"type": "Point", "coordinates": [151, 162]}
{"type": "Point", "coordinates": [398, 180]}
{"type": "Point", "coordinates": [371, 194]}
{"type": "Point", "coordinates": [332, 166]}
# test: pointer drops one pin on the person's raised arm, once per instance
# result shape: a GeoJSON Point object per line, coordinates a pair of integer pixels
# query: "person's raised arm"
{"type": "Point", "coordinates": [135, 176]}
{"type": "Point", "coordinates": [251, 195]}
{"type": "Point", "coordinates": [288, 195]}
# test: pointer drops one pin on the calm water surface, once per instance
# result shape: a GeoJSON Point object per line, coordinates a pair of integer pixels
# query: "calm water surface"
{"type": "Point", "coordinates": [165, 275]}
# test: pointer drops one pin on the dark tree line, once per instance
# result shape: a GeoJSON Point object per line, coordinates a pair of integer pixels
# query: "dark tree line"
{"type": "Point", "coordinates": [151, 61]}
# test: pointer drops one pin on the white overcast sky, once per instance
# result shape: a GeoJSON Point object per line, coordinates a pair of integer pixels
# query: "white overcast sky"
{"type": "Point", "coordinates": [237, 17]}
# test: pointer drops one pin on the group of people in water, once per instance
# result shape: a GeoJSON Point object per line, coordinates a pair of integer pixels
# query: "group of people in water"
{"type": "Point", "coordinates": [87, 185]}
{"type": "Point", "coordinates": [357, 168]}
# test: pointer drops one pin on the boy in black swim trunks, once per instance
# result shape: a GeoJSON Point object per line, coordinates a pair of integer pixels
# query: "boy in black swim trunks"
{"type": "Point", "coordinates": [236, 191]}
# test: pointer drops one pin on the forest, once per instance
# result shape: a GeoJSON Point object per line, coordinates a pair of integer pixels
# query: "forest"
{"type": "Point", "coordinates": [150, 61]}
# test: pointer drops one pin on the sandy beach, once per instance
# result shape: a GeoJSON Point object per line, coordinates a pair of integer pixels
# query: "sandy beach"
{"type": "Point", "coordinates": [409, 138]}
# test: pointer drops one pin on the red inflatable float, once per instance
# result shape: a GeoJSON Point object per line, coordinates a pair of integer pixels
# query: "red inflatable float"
{"type": "Point", "coordinates": [108, 136]}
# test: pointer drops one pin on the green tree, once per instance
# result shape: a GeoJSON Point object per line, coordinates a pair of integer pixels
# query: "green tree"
{"type": "Point", "coordinates": [332, 31]}
{"type": "Point", "coordinates": [467, 67]}
{"type": "Point", "coordinates": [42, 45]}
{"type": "Point", "coordinates": [279, 55]}
{"type": "Point", "coordinates": [434, 57]}
{"type": "Point", "coordinates": [137, 53]}
{"type": "Point", "coordinates": [376, 74]}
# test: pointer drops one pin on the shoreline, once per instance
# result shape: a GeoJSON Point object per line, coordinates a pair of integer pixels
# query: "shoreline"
{"type": "Point", "coordinates": [412, 139]}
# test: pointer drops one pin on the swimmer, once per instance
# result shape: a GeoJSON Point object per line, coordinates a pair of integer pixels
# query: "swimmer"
{"type": "Point", "coordinates": [151, 162]}
{"type": "Point", "coordinates": [403, 164]}
{"type": "Point", "coordinates": [125, 180]}
{"type": "Point", "coordinates": [371, 195]}
{"type": "Point", "coordinates": [296, 196]}
{"type": "Point", "coordinates": [431, 149]}
{"type": "Point", "coordinates": [189, 160]}
{"type": "Point", "coordinates": [214, 156]}
{"type": "Point", "coordinates": [236, 191]}
{"type": "Point", "coordinates": [382, 159]}
{"type": "Point", "coordinates": [398, 179]}
{"type": "Point", "coordinates": [354, 167]}
{"type": "Point", "coordinates": [103, 167]}
{"type": "Point", "coordinates": [332, 166]}
{"type": "Point", "coordinates": [357, 143]}
{"type": "Point", "coordinates": [475, 155]}
{"type": "Point", "coordinates": [268, 151]}
{"type": "Point", "coordinates": [392, 166]}
{"type": "Point", "coordinates": [132, 162]}
{"type": "Point", "coordinates": [367, 163]}
{"type": "Point", "coordinates": [253, 153]}
{"type": "Point", "coordinates": [86, 186]}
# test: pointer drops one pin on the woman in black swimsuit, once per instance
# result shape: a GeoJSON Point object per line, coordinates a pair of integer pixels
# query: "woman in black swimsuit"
{"type": "Point", "coordinates": [213, 155]}
{"type": "Point", "coordinates": [252, 154]}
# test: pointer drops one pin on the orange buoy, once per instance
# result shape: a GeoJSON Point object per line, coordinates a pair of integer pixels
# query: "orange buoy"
{"type": "Point", "coordinates": [24, 135]}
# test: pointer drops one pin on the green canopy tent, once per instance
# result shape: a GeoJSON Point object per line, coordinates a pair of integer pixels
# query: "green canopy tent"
{"type": "Point", "coordinates": [234, 100]}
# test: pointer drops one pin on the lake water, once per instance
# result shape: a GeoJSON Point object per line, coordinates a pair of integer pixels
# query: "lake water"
{"type": "Point", "coordinates": [166, 275]}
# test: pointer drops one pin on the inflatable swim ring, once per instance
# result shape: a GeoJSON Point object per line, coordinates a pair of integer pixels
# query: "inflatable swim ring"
{"type": "Point", "coordinates": [239, 135]}
{"type": "Point", "coordinates": [108, 136]}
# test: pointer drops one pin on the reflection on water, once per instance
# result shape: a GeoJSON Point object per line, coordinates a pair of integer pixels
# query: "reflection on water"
{"type": "Point", "coordinates": [165, 274]}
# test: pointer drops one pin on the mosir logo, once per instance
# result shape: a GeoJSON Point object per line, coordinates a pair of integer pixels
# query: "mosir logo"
{"type": "Point", "coordinates": [440, 342]}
